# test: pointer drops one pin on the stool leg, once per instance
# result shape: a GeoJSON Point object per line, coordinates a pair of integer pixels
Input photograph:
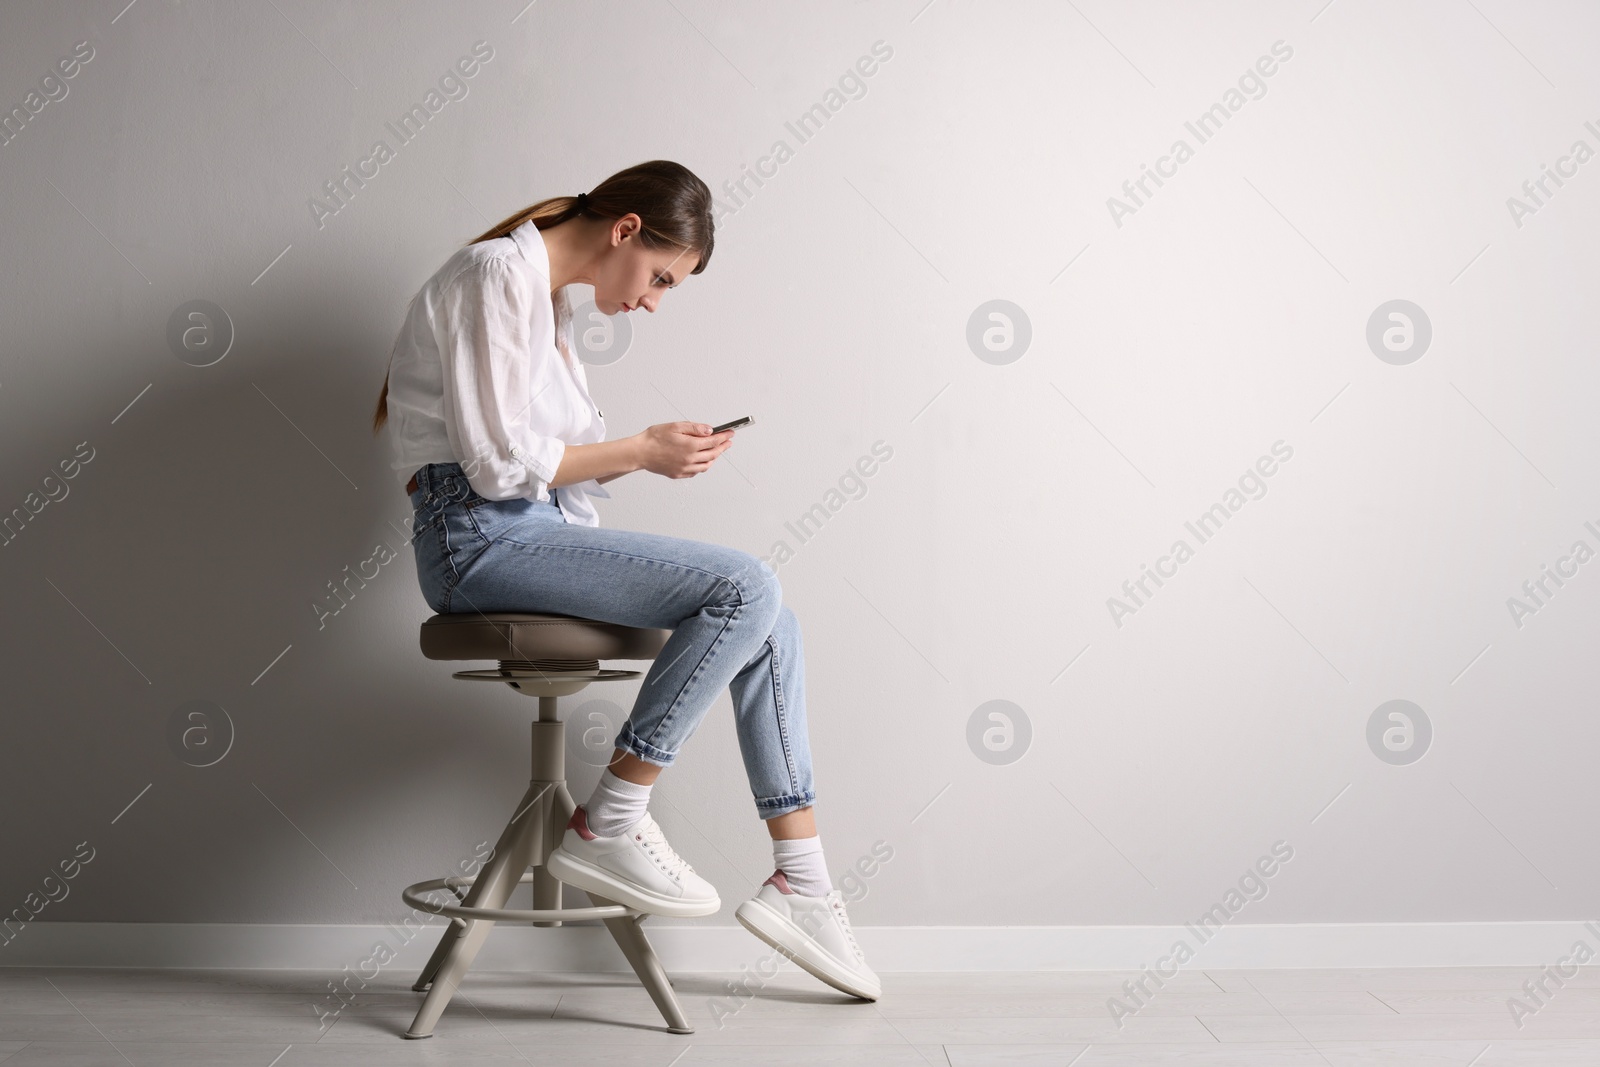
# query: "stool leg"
{"type": "Point", "coordinates": [513, 854]}
{"type": "Point", "coordinates": [546, 886]}
{"type": "Point", "coordinates": [630, 938]}
{"type": "Point", "coordinates": [546, 894]}
{"type": "Point", "coordinates": [452, 933]}
{"type": "Point", "coordinates": [636, 947]}
{"type": "Point", "coordinates": [440, 951]}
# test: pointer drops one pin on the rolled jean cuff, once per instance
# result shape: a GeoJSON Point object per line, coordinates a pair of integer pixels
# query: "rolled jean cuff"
{"type": "Point", "coordinates": [772, 807]}
{"type": "Point", "coordinates": [631, 742]}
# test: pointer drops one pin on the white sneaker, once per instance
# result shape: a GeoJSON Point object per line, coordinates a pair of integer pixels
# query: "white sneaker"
{"type": "Point", "coordinates": [813, 931]}
{"type": "Point", "coordinates": [638, 869]}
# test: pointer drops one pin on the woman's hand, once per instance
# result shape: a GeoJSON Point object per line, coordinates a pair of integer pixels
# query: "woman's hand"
{"type": "Point", "coordinates": [681, 449]}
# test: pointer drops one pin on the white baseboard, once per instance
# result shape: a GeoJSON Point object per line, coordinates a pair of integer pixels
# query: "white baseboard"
{"type": "Point", "coordinates": [687, 947]}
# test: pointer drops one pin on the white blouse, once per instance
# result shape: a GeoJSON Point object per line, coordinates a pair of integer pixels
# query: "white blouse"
{"type": "Point", "coordinates": [483, 374]}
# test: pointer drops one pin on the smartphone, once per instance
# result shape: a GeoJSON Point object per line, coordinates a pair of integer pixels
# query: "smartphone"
{"type": "Point", "coordinates": [735, 424]}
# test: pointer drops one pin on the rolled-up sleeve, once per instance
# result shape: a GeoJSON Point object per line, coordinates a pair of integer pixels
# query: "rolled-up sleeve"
{"type": "Point", "coordinates": [485, 342]}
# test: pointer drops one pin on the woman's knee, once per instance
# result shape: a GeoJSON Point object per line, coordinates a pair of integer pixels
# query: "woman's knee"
{"type": "Point", "coordinates": [755, 583]}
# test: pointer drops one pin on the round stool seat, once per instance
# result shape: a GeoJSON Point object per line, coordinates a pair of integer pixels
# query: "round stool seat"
{"type": "Point", "coordinates": [503, 635]}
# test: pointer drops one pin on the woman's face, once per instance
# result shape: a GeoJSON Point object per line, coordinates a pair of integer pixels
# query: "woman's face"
{"type": "Point", "coordinates": [631, 276]}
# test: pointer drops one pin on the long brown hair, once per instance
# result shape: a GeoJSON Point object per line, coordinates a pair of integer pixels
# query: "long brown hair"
{"type": "Point", "coordinates": [674, 207]}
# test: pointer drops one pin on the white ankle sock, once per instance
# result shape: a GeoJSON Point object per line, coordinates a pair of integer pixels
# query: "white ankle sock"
{"type": "Point", "coordinates": [615, 805]}
{"type": "Point", "coordinates": [800, 860]}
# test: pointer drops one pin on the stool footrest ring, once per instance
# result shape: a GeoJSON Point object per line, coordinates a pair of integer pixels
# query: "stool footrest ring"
{"type": "Point", "coordinates": [412, 895]}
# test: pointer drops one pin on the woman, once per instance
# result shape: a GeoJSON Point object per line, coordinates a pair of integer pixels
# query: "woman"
{"type": "Point", "coordinates": [491, 428]}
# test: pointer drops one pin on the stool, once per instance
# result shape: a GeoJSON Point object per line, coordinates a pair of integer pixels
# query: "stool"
{"type": "Point", "coordinates": [547, 656]}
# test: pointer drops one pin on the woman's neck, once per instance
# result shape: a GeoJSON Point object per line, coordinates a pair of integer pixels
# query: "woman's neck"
{"type": "Point", "coordinates": [570, 246]}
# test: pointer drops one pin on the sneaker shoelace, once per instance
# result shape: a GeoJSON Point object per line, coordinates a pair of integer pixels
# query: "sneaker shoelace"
{"type": "Point", "coordinates": [655, 842]}
{"type": "Point", "coordinates": [844, 923]}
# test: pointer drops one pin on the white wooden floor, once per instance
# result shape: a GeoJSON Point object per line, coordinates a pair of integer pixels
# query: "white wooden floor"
{"type": "Point", "coordinates": [1406, 1018]}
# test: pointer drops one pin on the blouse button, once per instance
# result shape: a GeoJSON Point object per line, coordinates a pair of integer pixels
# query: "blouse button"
{"type": "Point", "coordinates": [516, 452]}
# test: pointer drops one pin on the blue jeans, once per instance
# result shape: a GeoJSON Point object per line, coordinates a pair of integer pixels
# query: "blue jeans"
{"type": "Point", "coordinates": [729, 626]}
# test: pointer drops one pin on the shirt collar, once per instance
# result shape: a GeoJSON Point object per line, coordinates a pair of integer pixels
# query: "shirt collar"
{"type": "Point", "coordinates": [530, 242]}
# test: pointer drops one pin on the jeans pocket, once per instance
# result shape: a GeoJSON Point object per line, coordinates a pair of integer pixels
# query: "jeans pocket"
{"type": "Point", "coordinates": [428, 505]}
{"type": "Point", "coordinates": [423, 514]}
{"type": "Point", "coordinates": [493, 519]}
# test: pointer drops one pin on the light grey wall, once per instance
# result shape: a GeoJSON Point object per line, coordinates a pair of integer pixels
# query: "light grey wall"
{"type": "Point", "coordinates": [1171, 348]}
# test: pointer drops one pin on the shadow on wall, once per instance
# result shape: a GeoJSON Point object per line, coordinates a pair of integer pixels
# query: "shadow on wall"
{"type": "Point", "coordinates": [284, 762]}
